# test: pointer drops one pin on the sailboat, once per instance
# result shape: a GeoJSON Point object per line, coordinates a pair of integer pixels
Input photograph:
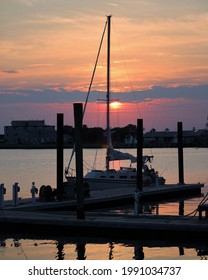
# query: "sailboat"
{"type": "Point", "coordinates": [125, 176]}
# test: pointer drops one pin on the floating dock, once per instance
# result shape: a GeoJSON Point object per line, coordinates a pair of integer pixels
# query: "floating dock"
{"type": "Point", "coordinates": [58, 216]}
{"type": "Point", "coordinates": [113, 225]}
{"type": "Point", "coordinates": [112, 197]}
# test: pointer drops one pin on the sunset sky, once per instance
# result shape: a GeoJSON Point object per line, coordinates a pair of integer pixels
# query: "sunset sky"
{"type": "Point", "coordinates": [159, 61]}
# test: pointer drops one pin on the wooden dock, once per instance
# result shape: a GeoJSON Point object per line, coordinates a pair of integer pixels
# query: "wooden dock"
{"type": "Point", "coordinates": [113, 197]}
{"type": "Point", "coordinates": [114, 225]}
{"type": "Point", "coordinates": [58, 216]}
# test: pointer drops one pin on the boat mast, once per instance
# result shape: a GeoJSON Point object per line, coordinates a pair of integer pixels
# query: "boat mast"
{"type": "Point", "coordinates": [108, 95]}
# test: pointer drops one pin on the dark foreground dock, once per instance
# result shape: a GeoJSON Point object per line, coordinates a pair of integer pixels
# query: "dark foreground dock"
{"type": "Point", "coordinates": [58, 216]}
{"type": "Point", "coordinates": [118, 225]}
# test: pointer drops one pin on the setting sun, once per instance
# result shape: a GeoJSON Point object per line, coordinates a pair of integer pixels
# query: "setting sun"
{"type": "Point", "coordinates": [115, 105]}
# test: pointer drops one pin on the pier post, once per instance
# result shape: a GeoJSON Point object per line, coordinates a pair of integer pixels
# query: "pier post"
{"type": "Point", "coordinates": [180, 154]}
{"type": "Point", "coordinates": [136, 203]}
{"type": "Point", "coordinates": [34, 191]}
{"type": "Point", "coordinates": [181, 207]}
{"type": "Point", "coordinates": [60, 157]}
{"type": "Point", "coordinates": [139, 165]}
{"type": "Point", "coordinates": [15, 190]}
{"type": "Point", "coordinates": [139, 153]}
{"type": "Point", "coordinates": [78, 112]}
{"type": "Point", "coordinates": [2, 192]}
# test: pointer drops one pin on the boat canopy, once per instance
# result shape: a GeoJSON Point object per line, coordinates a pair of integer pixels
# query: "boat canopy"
{"type": "Point", "coordinates": [117, 155]}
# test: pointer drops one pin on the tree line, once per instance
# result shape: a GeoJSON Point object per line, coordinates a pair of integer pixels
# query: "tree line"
{"type": "Point", "coordinates": [97, 135]}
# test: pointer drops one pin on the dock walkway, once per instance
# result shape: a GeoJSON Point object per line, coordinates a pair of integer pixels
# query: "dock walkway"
{"type": "Point", "coordinates": [109, 197]}
{"type": "Point", "coordinates": [119, 225]}
{"type": "Point", "coordinates": [58, 216]}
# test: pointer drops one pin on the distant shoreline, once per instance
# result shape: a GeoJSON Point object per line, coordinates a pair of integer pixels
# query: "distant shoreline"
{"type": "Point", "coordinates": [85, 146]}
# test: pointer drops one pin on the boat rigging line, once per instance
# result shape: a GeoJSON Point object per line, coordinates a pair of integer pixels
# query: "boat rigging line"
{"type": "Point", "coordinates": [203, 201]}
{"type": "Point", "coordinates": [127, 72]}
{"type": "Point", "coordinates": [95, 67]}
{"type": "Point", "coordinates": [89, 90]}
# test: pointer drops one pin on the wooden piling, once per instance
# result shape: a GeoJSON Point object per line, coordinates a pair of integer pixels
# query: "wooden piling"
{"type": "Point", "coordinates": [180, 154]}
{"type": "Point", "coordinates": [78, 112]}
{"type": "Point", "coordinates": [2, 191]}
{"type": "Point", "coordinates": [139, 153]}
{"type": "Point", "coordinates": [60, 157]}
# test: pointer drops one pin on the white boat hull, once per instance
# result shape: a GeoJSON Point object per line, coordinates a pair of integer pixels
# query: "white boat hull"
{"type": "Point", "coordinates": [97, 180]}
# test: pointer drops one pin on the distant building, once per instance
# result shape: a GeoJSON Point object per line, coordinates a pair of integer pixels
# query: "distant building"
{"type": "Point", "coordinates": [30, 132]}
{"type": "Point", "coordinates": [170, 138]}
{"type": "Point", "coordinates": [161, 138]}
{"type": "Point", "coordinates": [130, 140]}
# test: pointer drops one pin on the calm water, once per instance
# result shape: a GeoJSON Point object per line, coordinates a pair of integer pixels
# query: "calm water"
{"type": "Point", "coordinates": [26, 166]}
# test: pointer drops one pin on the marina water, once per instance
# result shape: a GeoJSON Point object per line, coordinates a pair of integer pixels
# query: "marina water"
{"type": "Point", "coordinates": [39, 165]}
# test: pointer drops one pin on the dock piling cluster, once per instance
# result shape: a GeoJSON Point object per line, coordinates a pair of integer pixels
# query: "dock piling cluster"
{"type": "Point", "coordinates": [15, 196]}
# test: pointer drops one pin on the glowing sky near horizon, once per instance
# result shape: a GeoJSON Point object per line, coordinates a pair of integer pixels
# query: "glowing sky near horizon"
{"type": "Point", "coordinates": [159, 65]}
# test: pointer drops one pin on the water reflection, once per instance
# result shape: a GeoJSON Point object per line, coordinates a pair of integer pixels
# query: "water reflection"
{"type": "Point", "coordinates": [16, 243]}
{"type": "Point", "coordinates": [80, 249]}
{"type": "Point", "coordinates": [203, 254]}
{"type": "Point", "coordinates": [60, 251]}
{"type": "Point", "coordinates": [111, 247]}
{"type": "Point", "coordinates": [2, 243]}
{"type": "Point", "coordinates": [68, 248]}
{"type": "Point", "coordinates": [138, 252]}
{"type": "Point", "coordinates": [181, 207]}
{"type": "Point", "coordinates": [181, 251]}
